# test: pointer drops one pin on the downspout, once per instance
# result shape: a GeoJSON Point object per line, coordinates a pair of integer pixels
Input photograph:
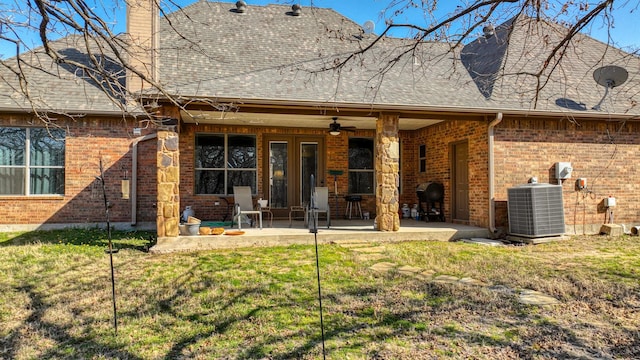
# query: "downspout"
{"type": "Point", "coordinates": [134, 176]}
{"type": "Point", "coordinates": [492, 208]}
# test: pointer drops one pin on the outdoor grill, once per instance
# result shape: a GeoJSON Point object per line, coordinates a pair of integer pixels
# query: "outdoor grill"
{"type": "Point", "coordinates": [430, 200]}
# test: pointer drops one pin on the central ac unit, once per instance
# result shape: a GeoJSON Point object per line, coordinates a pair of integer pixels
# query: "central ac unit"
{"type": "Point", "coordinates": [536, 210]}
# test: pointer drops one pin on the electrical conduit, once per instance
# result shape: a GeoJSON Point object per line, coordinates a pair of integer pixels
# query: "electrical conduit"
{"type": "Point", "coordinates": [492, 207]}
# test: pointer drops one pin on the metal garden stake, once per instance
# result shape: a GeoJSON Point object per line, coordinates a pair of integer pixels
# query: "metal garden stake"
{"type": "Point", "coordinates": [110, 250]}
{"type": "Point", "coordinates": [313, 228]}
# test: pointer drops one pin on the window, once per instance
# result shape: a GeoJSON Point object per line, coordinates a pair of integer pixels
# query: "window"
{"type": "Point", "coordinates": [32, 161]}
{"type": "Point", "coordinates": [361, 173]}
{"type": "Point", "coordinates": [224, 161]}
{"type": "Point", "coordinates": [422, 157]}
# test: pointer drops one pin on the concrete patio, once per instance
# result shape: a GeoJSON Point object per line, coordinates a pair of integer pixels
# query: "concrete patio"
{"type": "Point", "coordinates": [280, 234]}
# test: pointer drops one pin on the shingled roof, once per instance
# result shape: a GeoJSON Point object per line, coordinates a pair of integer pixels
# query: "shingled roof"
{"type": "Point", "coordinates": [61, 88]}
{"type": "Point", "coordinates": [508, 68]}
{"type": "Point", "coordinates": [208, 50]}
{"type": "Point", "coordinates": [267, 54]}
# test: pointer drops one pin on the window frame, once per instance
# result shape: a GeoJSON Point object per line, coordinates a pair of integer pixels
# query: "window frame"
{"type": "Point", "coordinates": [227, 168]}
{"type": "Point", "coordinates": [422, 158]}
{"type": "Point", "coordinates": [27, 167]}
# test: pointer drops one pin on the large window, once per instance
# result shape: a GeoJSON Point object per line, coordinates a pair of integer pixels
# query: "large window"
{"type": "Point", "coordinates": [224, 161]}
{"type": "Point", "coordinates": [361, 173]}
{"type": "Point", "coordinates": [31, 161]}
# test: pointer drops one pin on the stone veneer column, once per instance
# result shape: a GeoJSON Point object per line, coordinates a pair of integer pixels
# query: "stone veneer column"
{"type": "Point", "coordinates": [168, 168]}
{"type": "Point", "coordinates": [387, 164]}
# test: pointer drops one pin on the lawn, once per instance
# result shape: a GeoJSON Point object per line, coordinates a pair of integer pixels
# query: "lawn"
{"type": "Point", "coordinates": [261, 303]}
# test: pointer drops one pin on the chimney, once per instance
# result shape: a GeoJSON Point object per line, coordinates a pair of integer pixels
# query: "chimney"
{"type": "Point", "coordinates": [142, 29]}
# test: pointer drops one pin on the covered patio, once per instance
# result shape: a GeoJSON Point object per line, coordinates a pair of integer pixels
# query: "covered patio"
{"type": "Point", "coordinates": [280, 234]}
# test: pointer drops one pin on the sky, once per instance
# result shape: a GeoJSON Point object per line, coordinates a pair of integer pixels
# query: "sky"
{"type": "Point", "coordinates": [360, 11]}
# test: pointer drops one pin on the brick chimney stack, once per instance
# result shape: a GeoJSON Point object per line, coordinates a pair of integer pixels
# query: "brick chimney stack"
{"type": "Point", "coordinates": [142, 28]}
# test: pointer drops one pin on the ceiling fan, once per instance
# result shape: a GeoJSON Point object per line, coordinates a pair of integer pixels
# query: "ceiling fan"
{"type": "Point", "coordinates": [334, 127]}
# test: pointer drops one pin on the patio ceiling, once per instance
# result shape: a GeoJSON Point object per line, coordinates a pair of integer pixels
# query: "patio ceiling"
{"type": "Point", "coordinates": [293, 120]}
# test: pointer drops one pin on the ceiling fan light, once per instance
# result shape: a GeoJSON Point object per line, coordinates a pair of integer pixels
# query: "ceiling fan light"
{"type": "Point", "coordinates": [334, 132]}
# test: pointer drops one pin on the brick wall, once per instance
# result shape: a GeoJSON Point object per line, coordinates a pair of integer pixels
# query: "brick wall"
{"type": "Point", "coordinates": [147, 181]}
{"type": "Point", "coordinates": [336, 148]}
{"type": "Point", "coordinates": [606, 153]}
{"type": "Point", "coordinates": [88, 140]}
{"type": "Point", "coordinates": [439, 139]}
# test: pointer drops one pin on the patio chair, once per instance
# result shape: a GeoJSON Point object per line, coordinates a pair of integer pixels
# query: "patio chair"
{"type": "Point", "coordinates": [321, 197]}
{"type": "Point", "coordinates": [243, 205]}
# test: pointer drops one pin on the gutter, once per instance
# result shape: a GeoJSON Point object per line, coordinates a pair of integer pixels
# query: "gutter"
{"type": "Point", "coordinates": [409, 108]}
{"type": "Point", "coordinates": [72, 113]}
{"type": "Point", "coordinates": [134, 175]}
{"type": "Point", "coordinates": [492, 202]}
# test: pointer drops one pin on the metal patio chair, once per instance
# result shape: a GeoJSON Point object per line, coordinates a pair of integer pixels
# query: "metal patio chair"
{"type": "Point", "coordinates": [243, 205]}
{"type": "Point", "coordinates": [321, 197]}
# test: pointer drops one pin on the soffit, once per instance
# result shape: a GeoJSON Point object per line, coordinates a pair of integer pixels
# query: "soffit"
{"type": "Point", "coordinates": [294, 120]}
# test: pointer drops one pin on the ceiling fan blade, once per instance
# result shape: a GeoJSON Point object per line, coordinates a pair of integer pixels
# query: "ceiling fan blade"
{"type": "Point", "coordinates": [336, 127]}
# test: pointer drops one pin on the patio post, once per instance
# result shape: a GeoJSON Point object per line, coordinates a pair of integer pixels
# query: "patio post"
{"type": "Point", "coordinates": [387, 165]}
{"type": "Point", "coordinates": [168, 202]}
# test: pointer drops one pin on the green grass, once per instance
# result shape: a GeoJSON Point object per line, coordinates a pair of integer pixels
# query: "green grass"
{"type": "Point", "coordinates": [55, 301]}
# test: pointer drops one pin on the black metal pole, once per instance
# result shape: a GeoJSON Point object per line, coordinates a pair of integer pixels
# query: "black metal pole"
{"type": "Point", "coordinates": [110, 249]}
{"type": "Point", "coordinates": [313, 227]}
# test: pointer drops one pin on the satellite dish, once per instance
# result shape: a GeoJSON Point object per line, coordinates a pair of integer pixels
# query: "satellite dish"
{"type": "Point", "coordinates": [368, 26]}
{"type": "Point", "coordinates": [609, 76]}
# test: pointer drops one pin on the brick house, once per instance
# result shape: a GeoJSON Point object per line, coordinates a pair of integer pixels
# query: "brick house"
{"type": "Point", "coordinates": [255, 108]}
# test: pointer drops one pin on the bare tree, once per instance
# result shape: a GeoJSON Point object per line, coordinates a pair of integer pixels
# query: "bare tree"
{"type": "Point", "coordinates": [105, 58]}
{"type": "Point", "coordinates": [554, 28]}
{"type": "Point", "coordinates": [75, 40]}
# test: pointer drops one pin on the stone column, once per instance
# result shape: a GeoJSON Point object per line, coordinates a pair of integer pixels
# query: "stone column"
{"type": "Point", "coordinates": [168, 216]}
{"type": "Point", "coordinates": [387, 153]}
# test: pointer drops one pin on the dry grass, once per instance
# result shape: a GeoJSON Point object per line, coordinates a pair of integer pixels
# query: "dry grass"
{"type": "Point", "coordinates": [262, 303]}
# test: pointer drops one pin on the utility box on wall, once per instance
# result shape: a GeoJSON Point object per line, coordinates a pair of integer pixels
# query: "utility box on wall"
{"type": "Point", "coordinates": [536, 210]}
{"type": "Point", "coordinates": [563, 170]}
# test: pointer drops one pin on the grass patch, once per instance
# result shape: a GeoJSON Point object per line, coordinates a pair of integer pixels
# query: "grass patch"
{"type": "Point", "coordinates": [94, 237]}
{"type": "Point", "coordinates": [262, 303]}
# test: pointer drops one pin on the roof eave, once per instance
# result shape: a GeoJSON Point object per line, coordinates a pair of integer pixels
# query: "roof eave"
{"type": "Point", "coordinates": [72, 112]}
{"type": "Point", "coordinates": [404, 108]}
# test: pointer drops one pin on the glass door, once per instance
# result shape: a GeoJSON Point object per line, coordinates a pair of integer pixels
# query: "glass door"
{"type": "Point", "coordinates": [289, 163]}
{"type": "Point", "coordinates": [308, 166]}
{"type": "Point", "coordinates": [278, 165]}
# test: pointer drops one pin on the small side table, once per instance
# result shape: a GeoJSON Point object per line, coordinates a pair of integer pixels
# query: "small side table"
{"type": "Point", "coordinates": [295, 209]}
{"type": "Point", "coordinates": [267, 210]}
{"type": "Point", "coordinates": [353, 203]}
